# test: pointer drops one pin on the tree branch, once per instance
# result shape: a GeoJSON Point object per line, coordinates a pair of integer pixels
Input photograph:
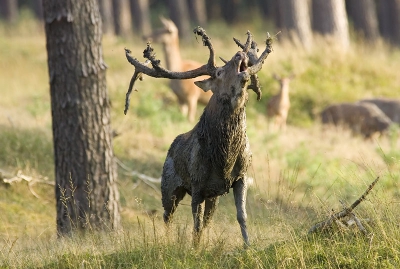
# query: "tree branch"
{"type": "Point", "coordinates": [345, 212]}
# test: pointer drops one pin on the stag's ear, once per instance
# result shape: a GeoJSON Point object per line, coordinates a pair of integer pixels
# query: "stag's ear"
{"type": "Point", "coordinates": [205, 85]}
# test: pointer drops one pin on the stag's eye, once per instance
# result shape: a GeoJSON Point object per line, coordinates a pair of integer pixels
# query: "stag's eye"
{"type": "Point", "coordinates": [219, 72]}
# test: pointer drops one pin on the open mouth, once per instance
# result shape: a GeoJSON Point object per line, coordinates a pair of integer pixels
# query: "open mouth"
{"type": "Point", "coordinates": [242, 66]}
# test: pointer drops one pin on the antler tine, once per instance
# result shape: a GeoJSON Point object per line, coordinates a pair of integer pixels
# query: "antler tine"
{"type": "Point", "coordinates": [258, 64]}
{"type": "Point", "coordinates": [255, 86]}
{"type": "Point", "coordinates": [249, 43]}
{"type": "Point", "coordinates": [206, 42]}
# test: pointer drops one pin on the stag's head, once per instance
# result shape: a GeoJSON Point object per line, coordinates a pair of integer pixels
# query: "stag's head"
{"type": "Point", "coordinates": [230, 80]}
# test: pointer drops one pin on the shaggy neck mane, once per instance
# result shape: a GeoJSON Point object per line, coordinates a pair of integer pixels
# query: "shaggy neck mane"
{"type": "Point", "coordinates": [222, 134]}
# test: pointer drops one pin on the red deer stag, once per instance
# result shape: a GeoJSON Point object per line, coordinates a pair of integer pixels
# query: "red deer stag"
{"type": "Point", "coordinates": [185, 90]}
{"type": "Point", "coordinates": [215, 155]}
{"type": "Point", "coordinates": [278, 105]}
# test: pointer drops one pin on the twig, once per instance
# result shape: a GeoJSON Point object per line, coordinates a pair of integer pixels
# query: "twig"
{"type": "Point", "coordinates": [346, 212]}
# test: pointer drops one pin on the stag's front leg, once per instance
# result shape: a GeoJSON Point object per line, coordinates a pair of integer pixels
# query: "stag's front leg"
{"type": "Point", "coordinates": [240, 193]}
{"type": "Point", "coordinates": [198, 213]}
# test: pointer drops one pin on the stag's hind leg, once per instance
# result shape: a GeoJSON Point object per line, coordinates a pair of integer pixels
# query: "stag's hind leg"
{"type": "Point", "coordinates": [170, 203]}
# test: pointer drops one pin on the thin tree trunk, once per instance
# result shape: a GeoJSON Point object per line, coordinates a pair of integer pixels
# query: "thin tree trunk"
{"type": "Point", "coordinates": [363, 15]}
{"type": "Point", "coordinates": [86, 188]}
{"type": "Point", "coordinates": [37, 7]}
{"type": "Point", "coordinates": [9, 10]}
{"type": "Point", "coordinates": [329, 18]}
{"type": "Point", "coordinates": [140, 16]}
{"type": "Point", "coordinates": [389, 20]}
{"type": "Point", "coordinates": [213, 10]}
{"type": "Point", "coordinates": [229, 10]}
{"type": "Point", "coordinates": [198, 13]}
{"type": "Point", "coordinates": [296, 21]}
{"type": "Point", "coordinates": [179, 14]}
{"type": "Point", "coordinates": [122, 17]}
{"type": "Point", "coordinates": [106, 12]}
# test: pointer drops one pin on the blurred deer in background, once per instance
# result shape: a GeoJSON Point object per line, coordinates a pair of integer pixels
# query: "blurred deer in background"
{"type": "Point", "coordinates": [278, 105]}
{"type": "Point", "coordinates": [214, 156]}
{"type": "Point", "coordinates": [186, 91]}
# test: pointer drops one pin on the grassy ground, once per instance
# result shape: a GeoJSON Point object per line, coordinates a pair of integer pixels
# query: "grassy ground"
{"type": "Point", "coordinates": [300, 176]}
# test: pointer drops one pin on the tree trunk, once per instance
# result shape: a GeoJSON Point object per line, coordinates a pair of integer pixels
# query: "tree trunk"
{"type": "Point", "coordinates": [213, 10]}
{"type": "Point", "coordinates": [141, 16]}
{"type": "Point", "coordinates": [229, 10]}
{"type": "Point", "coordinates": [329, 18]}
{"type": "Point", "coordinates": [106, 12]}
{"type": "Point", "coordinates": [363, 15]}
{"type": "Point", "coordinates": [295, 21]}
{"type": "Point", "coordinates": [179, 13]}
{"type": "Point", "coordinates": [9, 10]}
{"type": "Point", "coordinates": [122, 17]}
{"type": "Point", "coordinates": [198, 13]}
{"type": "Point", "coordinates": [86, 180]}
{"type": "Point", "coordinates": [389, 20]}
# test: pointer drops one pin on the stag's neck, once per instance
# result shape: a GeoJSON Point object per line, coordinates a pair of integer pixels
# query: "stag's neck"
{"type": "Point", "coordinates": [222, 128]}
{"type": "Point", "coordinates": [172, 55]}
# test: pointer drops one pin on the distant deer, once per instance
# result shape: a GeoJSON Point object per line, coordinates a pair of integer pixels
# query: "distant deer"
{"type": "Point", "coordinates": [389, 106]}
{"type": "Point", "coordinates": [214, 156]}
{"type": "Point", "coordinates": [362, 118]}
{"type": "Point", "coordinates": [278, 105]}
{"type": "Point", "coordinates": [185, 90]}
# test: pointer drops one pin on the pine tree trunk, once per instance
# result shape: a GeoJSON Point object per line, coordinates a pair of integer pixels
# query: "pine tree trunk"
{"type": "Point", "coordinates": [106, 12]}
{"type": "Point", "coordinates": [9, 10]}
{"type": "Point", "coordinates": [229, 10]}
{"type": "Point", "coordinates": [122, 17]}
{"type": "Point", "coordinates": [363, 15]}
{"type": "Point", "coordinates": [389, 20]}
{"type": "Point", "coordinates": [295, 21]}
{"type": "Point", "coordinates": [197, 9]}
{"type": "Point", "coordinates": [329, 18]}
{"type": "Point", "coordinates": [141, 16]}
{"type": "Point", "coordinates": [179, 13]}
{"type": "Point", "coordinates": [86, 180]}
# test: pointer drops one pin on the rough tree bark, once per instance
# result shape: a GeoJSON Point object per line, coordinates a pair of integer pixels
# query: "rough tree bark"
{"type": "Point", "coordinates": [363, 15]}
{"type": "Point", "coordinates": [85, 172]}
{"type": "Point", "coordinates": [140, 16]}
{"type": "Point", "coordinates": [179, 13]}
{"type": "Point", "coordinates": [329, 19]}
{"type": "Point", "coordinates": [9, 10]}
{"type": "Point", "coordinates": [295, 21]}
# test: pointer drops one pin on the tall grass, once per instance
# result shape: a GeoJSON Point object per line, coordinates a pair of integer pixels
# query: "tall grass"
{"type": "Point", "coordinates": [300, 176]}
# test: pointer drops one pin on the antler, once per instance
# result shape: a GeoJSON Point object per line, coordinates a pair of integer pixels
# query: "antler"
{"type": "Point", "coordinates": [158, 72]}
{"type": "Point", "coordinates": [250, 48]}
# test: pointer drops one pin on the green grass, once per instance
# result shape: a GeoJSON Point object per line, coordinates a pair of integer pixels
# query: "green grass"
{"type": "Point", "coordinates": [300, 176]}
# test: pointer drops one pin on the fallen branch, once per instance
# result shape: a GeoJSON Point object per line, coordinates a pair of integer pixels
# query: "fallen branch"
{"type": "Point", "coordinates": [346, 212]}
{"type": "Point", "coordinates": [144, 178]}
{"type": "Point", "coordinates": [31, 181]}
